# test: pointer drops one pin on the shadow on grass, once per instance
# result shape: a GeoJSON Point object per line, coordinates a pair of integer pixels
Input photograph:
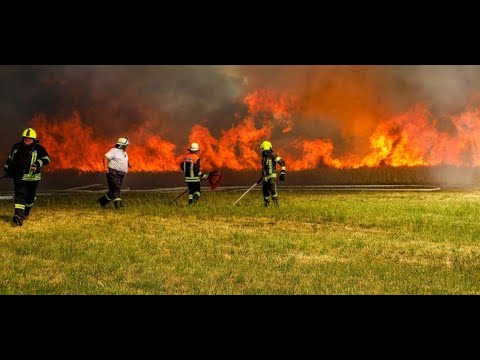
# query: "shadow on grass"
{"type": "Point", "coordinates": [6, 218]}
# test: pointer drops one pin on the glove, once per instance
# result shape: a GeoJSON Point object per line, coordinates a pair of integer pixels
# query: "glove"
{"type": "Point", "coordinates": [33, 168]}
{"type": "Point", "coordinates": [204, 177]}
{"type": "Point", "coordinates": [282, 176]}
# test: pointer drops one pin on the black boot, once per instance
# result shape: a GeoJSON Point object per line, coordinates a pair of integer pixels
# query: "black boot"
{"type": "Point", "coordinates": [190, 201]}
{"type": "Point", "coordinates": [267, 203]}
{"type": "Point", "coordinates": [26, 212]}
{"type": "Point", "coordinates": [17, 220]}
{"type": "Point", "coordinates": [195, 199]}
{"type": "Point", "coordinates": [118, 204]}
{"type": "Point", "coordinates": [275, 201]}
{"type": "Point", "coordinates": [18, 217]}
{"type": "Point", "coordinates": [103, 201]}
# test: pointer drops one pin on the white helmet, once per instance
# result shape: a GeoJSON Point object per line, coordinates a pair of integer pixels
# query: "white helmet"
{"type": "Point", "coordinates": [123, 141]}
{"type": "Point", "coordinates": [194, 147]}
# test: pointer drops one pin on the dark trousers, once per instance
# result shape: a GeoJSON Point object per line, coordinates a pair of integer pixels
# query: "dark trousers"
{"type": "Point", "coordinates": [24, 196]}
{"type": "Point", "coordinates": [270, 188]}
{"type": "Point", "coordinates": [114, 181]}
{"type": "Point", "coordinates": [193, 190]}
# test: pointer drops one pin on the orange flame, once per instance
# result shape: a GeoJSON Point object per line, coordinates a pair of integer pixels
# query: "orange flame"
{"type": "Point", "coordinates": [280, 106]}
{"type": "Point", "coordinates": [410, 139]}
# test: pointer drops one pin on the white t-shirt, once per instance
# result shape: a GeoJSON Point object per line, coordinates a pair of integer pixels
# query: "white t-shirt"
{"type": "Point", "coordinates": [118, 159]}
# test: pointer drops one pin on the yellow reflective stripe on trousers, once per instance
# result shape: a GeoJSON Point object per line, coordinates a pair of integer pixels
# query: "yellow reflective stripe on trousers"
{"type": "Point", "coordinates": [19, 206]}
{"type": "Point", "coordinates": [32, 177]}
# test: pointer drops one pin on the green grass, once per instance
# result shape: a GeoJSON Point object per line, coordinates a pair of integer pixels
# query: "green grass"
{"type": "Point", "coordinates": [314, 243]}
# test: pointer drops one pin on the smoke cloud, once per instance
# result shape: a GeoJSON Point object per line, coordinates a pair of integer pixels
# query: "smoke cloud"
{"type": "Point", "coordinates": [342, 103]}
{"type": "Point", "coordinates": [116, 99]}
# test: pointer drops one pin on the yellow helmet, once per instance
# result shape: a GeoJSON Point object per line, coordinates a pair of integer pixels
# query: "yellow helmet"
{"type": "Point", "coordinates": [266, 145]}
{"type": "Point", "coordinates": [29, 133]}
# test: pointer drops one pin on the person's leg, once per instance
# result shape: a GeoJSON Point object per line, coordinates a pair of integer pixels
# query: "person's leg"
{"type": "Point", "coordinates": [105, 199]}
{"type": "Point", "coordinates": [114, 181]}
{"type": "Point", "coordinates": [196, 192]}
{"type": "Point", "coordinates": [272, 185]}
{"type": "Point", "coordinates": [191, 191]}
{"type": "Point", "coordinates": [266, 193]}
{"type": "Point", "coordinates": [30, 198]}
{"type": "Point", "coordinates": [20, 189]}
{"type": "Point", "coordinates": [117, 189]}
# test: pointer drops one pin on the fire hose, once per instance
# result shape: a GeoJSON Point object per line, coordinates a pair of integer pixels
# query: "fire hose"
{"type": "Point", "coordinates": [179, 196]}
{"type": "Point", "coordinates": [245, 193]}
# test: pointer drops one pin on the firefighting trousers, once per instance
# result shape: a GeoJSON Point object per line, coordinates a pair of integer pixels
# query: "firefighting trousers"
{"type": "Point", "coordinates": [269, 188]}
{"type": "Point", "coordinates": [193, 189]}
{"type": "Point", "coordinates": [24, 195]}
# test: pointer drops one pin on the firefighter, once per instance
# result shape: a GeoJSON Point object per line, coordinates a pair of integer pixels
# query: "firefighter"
{"type": "Point", "coordinates": [191, 170]}
{"type": "Point", "coordinates": [24, 165]}
{"type": "Point", "coordinates": [116, 166]}
{"type": "Point", "coordinates": [269, 173]}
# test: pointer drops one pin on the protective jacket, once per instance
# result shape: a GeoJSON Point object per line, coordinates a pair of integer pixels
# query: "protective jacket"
{"type": "Point", "coordinates": [269, 164]}
{"type": "Point", "coordinates": [191, 168]}
{"type": "Point", "coordinates": [22, 157]}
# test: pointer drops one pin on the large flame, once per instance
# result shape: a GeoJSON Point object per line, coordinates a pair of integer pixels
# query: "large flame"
{"type": "Point", "coordinates": [410, 139]}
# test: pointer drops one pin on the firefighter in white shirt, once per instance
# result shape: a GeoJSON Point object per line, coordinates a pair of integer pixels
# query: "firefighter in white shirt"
{"type": "Point", "coordinates": [116, 166]}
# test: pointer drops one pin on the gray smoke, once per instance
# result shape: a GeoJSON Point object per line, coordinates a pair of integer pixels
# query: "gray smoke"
{"type": "Point", "coordinates": [340, 102]}
{"type": "Point", "coordinates": [115, 99]}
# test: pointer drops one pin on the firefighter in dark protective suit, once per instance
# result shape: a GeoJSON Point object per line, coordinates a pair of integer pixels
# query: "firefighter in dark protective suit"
{"type": "Point", "coordinates": [24, 164]}
{"type": "Point", "coordinates": [191, 170]}
{"type": "Point", "coordinates": [269, 173]}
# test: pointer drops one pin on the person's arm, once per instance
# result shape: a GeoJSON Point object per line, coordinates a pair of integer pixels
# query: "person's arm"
{"type": "Point", "coordinates": [43, 160]}
{"type": "Point", "coordinates": [201, 175]}
{"type": "Point", "coordinates": [261, 175]}
{"type": "Point", "coordinates": [106, 160]}
{"type": "Point", "coordinates": [283, 171]}
{"type": "Point", "coordinates": [8, 162]}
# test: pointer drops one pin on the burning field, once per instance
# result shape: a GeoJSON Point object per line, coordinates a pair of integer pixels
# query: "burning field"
{"type": "Point", "coordinates": [410, 139]}
{"type": "Point", "coordinates": [317, 117]}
